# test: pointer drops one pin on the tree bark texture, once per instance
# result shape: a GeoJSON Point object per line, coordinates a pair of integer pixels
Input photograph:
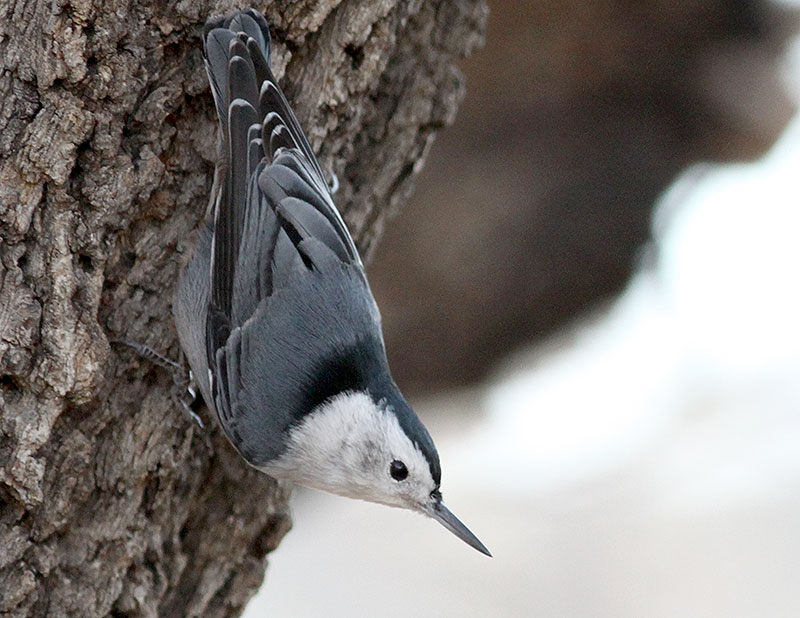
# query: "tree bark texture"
{"type": "Point", "coordinates": [111, 501]}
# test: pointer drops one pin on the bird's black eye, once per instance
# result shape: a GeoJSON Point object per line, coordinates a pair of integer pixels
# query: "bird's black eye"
{"type": "Point", "coordinates": [398, 470]}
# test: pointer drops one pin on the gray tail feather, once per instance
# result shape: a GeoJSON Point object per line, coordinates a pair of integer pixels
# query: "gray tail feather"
{"type": "Point", "coordinates": [259, 134]}
{"type": "Point", "coordinates": [236, 51]}
{"type": "Point", "coordinates": [252, 30]}
{"type": "Point", "coordinates": [280, 128]}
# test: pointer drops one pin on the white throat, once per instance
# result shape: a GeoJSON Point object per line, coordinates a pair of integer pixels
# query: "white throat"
{"type": "Point", "coordinates": [345, 446]}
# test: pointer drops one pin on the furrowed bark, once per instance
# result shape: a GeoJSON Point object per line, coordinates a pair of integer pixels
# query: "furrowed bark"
{"type": "Point", "coordinates": [111, 501]}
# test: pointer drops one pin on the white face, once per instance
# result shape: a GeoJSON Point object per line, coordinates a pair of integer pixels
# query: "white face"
{"type": "Point", "coordinates": [347, 446]}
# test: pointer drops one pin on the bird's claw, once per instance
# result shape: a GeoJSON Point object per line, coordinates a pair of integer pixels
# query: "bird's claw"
{"type": "Point", "coordinates": [333, 186]}
{"type": "Point", "coordinates": [180, 377]}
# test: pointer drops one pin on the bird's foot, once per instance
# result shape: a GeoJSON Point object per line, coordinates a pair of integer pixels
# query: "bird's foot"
{"type": "Point", "coordinates": [181, 377]}
{"type": "Point", "coordinates": [333, 185]}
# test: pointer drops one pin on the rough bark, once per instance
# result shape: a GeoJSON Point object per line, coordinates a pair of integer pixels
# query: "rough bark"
{"type": "Point", "coordinates": [111, 501]}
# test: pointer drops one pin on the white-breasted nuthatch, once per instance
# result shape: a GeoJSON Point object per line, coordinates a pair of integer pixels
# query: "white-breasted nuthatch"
{"type": "Point", "coordinates": [274, 312]}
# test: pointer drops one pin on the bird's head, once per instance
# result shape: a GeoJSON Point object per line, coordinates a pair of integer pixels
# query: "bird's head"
{"type": "Point", "coordinates": [371, 448]}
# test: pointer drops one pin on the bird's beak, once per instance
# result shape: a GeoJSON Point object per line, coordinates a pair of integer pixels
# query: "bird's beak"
{"type": "Point", "coordinates": [438, 511]}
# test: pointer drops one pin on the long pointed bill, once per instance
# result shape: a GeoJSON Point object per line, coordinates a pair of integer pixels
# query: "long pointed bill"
{"type": "Point", "coordinates": [445, 516]}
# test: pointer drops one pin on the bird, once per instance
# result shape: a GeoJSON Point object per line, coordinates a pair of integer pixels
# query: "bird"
{"type": "Point", "coordinates": [274, 312]}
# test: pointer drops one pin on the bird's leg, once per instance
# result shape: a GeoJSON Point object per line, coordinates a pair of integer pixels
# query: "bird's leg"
{"type": "Point", "coordinates": [150, 354]}
{"type": "Point", "coordinates": [181, 377]}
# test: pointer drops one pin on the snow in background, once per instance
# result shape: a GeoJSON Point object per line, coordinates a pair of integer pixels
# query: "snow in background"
{"type": "Point", "coordinates": [644, 464]}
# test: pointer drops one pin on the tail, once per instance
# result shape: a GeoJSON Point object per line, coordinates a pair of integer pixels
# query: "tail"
{"type": "Point", "coordinates": [237, 58]}
{"type": "Point", "coordinates": [236, 52]}
{"type": "Point", "coordinates": [264, 158]}
{"type": "Point", "coordinates": [271, 214]}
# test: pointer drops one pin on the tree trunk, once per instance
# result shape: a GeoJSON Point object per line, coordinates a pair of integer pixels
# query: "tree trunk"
{"type": "Point", "coordinates": [112, 502]}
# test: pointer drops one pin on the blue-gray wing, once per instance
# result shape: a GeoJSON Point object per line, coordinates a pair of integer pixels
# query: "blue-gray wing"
{"type": "Point", "coordinates": [317, 335]}
{"type": "Point", "coordinates": [286, 282]}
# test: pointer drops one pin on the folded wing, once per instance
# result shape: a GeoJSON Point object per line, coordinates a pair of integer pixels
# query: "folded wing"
{"type": "Point", "coordinates": [275, 233]}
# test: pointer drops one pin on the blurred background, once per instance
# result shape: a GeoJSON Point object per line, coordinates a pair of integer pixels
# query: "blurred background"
{"type": "Point", "coordinates": [593, 301]}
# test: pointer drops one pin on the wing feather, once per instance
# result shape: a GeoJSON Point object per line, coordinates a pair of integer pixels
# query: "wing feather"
{"type": "Point", "coordinates": [275, 228]}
